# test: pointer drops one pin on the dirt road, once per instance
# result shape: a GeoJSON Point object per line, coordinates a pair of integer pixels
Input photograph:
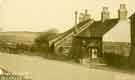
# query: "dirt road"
{"type": "Point", "coordinates": [43, 69]}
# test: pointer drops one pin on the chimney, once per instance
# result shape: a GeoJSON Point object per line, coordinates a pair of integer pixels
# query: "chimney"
{"type": "Point", "coordinates": [86, 12]}
{"type": "Point", "coordinates": [122, 12]}
{"type": "Point", "coordinates": [81, 17]}
{"type": "Point", "coordinates": [87, 16]}
{"type": "Point", "coordinates": [105, 15]}
{"type": "Point", "coordinates": [76, 16]}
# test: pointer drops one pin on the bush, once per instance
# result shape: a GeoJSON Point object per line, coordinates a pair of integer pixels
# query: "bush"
{"type": "Point", "coordinates": [115, 60]}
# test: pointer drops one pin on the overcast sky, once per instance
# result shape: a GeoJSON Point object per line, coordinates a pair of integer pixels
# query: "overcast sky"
{"type": "Point", "coordinates": [40, 15]}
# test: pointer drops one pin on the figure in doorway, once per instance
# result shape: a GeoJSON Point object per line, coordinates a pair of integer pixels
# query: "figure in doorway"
{"type": "Point", "coordinates": [92, 53]}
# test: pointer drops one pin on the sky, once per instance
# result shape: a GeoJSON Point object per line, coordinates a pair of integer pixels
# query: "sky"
{"type": "Point", "coordinates": [41, 15]}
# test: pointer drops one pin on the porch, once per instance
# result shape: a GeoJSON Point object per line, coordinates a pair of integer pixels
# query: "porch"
{"type": "Point", "coordinates": [87, 49]}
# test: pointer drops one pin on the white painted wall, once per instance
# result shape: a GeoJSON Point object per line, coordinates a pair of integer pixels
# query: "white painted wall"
{"type": "Point", "coordinates": [119, 33]}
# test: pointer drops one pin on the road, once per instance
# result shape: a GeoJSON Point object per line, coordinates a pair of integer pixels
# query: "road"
{"type": "Point", "coordinates": [43, 69]}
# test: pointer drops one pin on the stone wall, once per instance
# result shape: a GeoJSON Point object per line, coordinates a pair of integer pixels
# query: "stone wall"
{"type": "Point", "coordinates": [121, 48]}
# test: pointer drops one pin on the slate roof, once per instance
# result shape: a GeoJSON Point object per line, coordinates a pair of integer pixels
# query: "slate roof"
{"type": "Point", "coordinates": [62, 35]}
{"type": "Point", "coordinates": [99, 28]}
{"type": "Point", "coordinates": [133, 15]}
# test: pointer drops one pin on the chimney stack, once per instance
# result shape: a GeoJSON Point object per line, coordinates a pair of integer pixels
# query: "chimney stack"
{"type": "Point", "coordinates": [76, 17]}
{"type": "Point", "coordinates": [105, 15]}
{"type": "Point", "coordinates": [122, 12]}
{"type": "Point", "coordinates": [87, 16]}
{"type": "Point", "coordinates": [86, 12]}
{"type": "Point", "coordinates": [81, 17]}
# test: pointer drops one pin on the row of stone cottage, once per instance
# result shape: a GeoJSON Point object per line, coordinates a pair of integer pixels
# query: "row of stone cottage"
{"type": "Point", "coordinates": [97, 37]}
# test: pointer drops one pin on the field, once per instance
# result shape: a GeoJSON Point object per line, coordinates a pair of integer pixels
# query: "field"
{"type": "Point", "coordinates": [21, 37]}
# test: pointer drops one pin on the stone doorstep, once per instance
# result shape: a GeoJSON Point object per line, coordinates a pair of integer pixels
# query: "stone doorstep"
{"type": "Point", "coordinates": [93, 63]}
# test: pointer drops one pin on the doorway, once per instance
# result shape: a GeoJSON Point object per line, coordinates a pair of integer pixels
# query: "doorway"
{"type": "Point", "coordinates": [93, 53]}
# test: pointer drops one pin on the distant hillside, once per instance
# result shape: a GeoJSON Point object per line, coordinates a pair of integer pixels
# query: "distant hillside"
{"type": "Point", "coordinates": [23, 37]}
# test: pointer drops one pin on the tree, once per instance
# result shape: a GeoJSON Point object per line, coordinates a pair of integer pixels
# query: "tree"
{"type": "Point", "coordinates": [42, 41]}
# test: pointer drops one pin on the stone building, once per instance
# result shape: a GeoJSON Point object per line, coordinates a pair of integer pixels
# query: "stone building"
{"type": "Point", "coordinates": [90, 38]}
